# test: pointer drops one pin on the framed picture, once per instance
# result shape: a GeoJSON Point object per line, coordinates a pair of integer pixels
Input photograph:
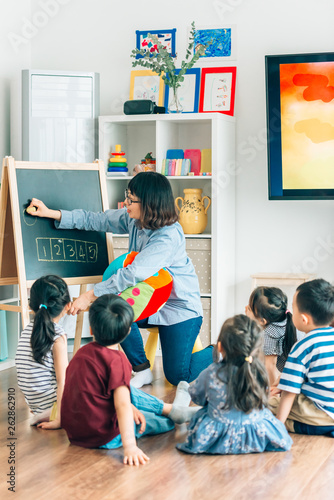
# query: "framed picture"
{"type": "Point", "coordinates": [218, 90]}
{"type": "Point", "coordinates": [219, 41]}
{"type": "Point", "coordinates": [188, 93]}
{"type": "Point", "coordinates": [300, 126]}
{"type": "Point", "coordinates": [166, 37]}
{"type": "Point", "coordinates": [145, 84]}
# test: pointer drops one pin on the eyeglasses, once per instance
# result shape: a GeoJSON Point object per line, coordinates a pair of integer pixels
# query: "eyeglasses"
{"type": "Point", "coordinates": [128, 200]}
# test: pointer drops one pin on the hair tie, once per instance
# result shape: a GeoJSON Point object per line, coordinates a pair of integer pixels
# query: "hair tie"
{"type": "Point", "coordinates": [249, 359]}
{"type": "Point", "coordinates": [42, 305]}
{"type": "Point", "coordinates": [287, 311]}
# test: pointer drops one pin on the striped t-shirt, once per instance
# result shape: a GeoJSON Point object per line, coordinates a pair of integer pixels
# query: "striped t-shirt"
{"type": "Point", "coordinates": [37, 381]}
{"type": "Point", "coordinates": [309, 369]}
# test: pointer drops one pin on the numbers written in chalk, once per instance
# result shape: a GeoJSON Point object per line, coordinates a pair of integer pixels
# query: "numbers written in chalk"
{"type": "Point", "coordinates": [66, 250]}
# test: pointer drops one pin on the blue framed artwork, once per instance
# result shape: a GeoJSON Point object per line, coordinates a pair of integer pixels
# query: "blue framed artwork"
{"type": "Point", "coordinates": [166, 37]}
{"type": "Point", "coordinates": [188, 93]}
{"type": "Point", "coordinates": [219, 42]}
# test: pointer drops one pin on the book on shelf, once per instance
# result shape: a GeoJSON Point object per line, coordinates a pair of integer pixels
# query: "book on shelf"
{"type": "Point", "coordinates": [172, 167]}
{"type": "Point", "coordinates": [176, 167]}
{"type": "Point", "coordinates": [194, 155]}
{"type": "Point", "coordinates": [175, 154]}
{"type": "Point", "coordinates": [206, 161]}
{"type": "Point", "coordinates": [185, 168]}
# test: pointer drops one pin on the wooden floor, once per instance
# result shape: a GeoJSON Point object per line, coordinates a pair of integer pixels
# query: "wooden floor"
{"type": "Point", "coordinates": [47, 467]}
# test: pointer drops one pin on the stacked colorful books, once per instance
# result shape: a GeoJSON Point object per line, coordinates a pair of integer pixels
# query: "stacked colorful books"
{"type": "Point", "coordinates": [187, 162]}
{"type": "Point", "coordinates": [176, 167]}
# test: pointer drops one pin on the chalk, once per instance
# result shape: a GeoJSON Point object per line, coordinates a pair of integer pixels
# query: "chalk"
{"type": "Point", "coordinates": [30, 210]}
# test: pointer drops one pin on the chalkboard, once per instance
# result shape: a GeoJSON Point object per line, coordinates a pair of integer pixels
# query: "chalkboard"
{"type": "Point", "coordinates": [47, 250]}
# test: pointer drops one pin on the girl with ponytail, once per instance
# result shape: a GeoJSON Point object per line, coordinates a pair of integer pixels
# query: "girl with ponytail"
{"type": "Point", "coordinates": [269, 306]}
{"type": "Point", "coordinates": [233, 392]}
{"type": "Point", "coordinates": [41, 356]}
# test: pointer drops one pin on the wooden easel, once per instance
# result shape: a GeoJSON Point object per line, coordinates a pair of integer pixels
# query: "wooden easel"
{"type": "Point", "coordinates": [12, 263]}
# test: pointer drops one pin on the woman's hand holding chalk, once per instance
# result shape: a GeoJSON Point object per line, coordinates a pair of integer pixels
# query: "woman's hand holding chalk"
{"type": "Point", "coordinates": [39, 209]}
{"type": "Point", "coordinates": [30, 210]}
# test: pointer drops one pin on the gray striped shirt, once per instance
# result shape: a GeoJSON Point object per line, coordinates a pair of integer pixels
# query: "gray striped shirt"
{"type": "Point", "coordinates": [37, 381]}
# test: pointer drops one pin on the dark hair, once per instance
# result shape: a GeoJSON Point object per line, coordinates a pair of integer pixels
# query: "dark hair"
{"type": "Point", "coordinates": [110, 318]}
{"type": "Point", "coordinates": [316, 298]}
{"type": "Point", "coordinates": [48, 297]}
{"type": "Point", "coordinates": [271, 304]}
{"type": "Point", "coordinates": [247, 382]}
{"type": "Point", "coordinates": [157, 201]}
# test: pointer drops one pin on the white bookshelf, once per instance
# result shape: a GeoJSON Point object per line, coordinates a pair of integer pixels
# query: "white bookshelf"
{"type": "Point", "coordinates": [140, 134]}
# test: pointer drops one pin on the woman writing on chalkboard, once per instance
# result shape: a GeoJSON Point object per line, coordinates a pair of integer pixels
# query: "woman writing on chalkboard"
{"type": "Point", "coordinates": [150, 219]}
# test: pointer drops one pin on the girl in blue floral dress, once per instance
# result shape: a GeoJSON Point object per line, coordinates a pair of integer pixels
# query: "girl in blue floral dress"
{"type": "Point", "coordinates": [233, 392]}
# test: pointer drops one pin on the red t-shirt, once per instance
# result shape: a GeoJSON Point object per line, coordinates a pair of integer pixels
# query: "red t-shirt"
{"type": "Point", "coordinates": [88, 413]}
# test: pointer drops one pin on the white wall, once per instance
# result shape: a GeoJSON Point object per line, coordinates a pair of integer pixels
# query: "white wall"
{"type": "Point", "coordinates": [275, 236]}
{"type": "Point", "coordinates": [98, 35]}
{"type": "Point", "coordinates": [14, 56]}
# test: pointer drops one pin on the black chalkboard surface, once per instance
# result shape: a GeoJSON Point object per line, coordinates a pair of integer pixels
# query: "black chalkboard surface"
{"type": "Point", "coordinates": [47, 250]}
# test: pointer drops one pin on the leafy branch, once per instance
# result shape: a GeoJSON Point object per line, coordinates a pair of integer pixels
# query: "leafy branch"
{"type": "Point", "coordinates": [161, 62]}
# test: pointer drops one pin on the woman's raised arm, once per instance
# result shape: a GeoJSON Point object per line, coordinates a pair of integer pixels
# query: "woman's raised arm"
{"type": "Point", "coordinates": [39, 209]}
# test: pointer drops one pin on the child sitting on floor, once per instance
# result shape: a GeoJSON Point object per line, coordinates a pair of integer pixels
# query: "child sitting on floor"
{"type": "Point", "coordinates": [233, 391]}
{"type": "Point", "coordinates": [41, 356]}
{"type": "Point", "coordinates": [268, 305]}
{"type": "Point", "coordinates": [96, 406]}
{"type": "Point", "coordinates": [306, 405]}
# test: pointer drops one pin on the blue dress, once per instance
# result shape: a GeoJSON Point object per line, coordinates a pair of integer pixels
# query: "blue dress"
{"type": "Point", "coordinates": [216, 430]}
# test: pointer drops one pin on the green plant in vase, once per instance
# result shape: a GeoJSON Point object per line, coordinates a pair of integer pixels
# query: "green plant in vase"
{"type": "Point", "coordinates": [161, 62]}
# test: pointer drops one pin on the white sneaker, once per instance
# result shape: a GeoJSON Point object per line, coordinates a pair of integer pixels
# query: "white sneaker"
{"type": "Point", "coordinates": [142, 378]}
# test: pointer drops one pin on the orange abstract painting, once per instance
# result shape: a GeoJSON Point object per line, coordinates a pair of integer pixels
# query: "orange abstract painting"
{"type": "Point", "coordinates": [307, 125]}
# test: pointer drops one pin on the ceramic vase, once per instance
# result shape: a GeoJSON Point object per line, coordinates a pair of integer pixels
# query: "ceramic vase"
{"type": "Point", "coordinates": [193, 212]}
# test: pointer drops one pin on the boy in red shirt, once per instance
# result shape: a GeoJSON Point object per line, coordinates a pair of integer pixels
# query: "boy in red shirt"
{"type": "Point", "coordinates": [98, 410]}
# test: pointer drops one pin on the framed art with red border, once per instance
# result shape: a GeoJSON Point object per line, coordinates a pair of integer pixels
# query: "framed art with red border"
{"type": "Point", "coordinates": [218, 90]}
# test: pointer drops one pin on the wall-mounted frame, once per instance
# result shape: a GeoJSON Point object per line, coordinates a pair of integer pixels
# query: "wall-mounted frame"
{"type": "Point", "coordinates": [300, 126]}
{"type": "Point", "coordinates": [188, 92]}
{"type": "Point", "coordinates": [145, 84]}
{"type": "Point", "coordinates": [220, 42]}
{"type": "Point", "coordinates": [166, 37]}
{"type": "Point", "coordinates": [218, 90]}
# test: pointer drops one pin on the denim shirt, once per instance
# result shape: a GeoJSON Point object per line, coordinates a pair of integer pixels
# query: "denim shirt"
{"type": "Point", "coordinates": [164, 247]}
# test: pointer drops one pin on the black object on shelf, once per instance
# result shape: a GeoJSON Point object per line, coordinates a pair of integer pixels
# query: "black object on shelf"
{"type": "Point", "coordinates": [142, 107]}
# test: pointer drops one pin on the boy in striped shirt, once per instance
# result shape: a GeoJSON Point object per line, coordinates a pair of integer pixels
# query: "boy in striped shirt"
{"type": "Point", "coordinates": [306, 405]}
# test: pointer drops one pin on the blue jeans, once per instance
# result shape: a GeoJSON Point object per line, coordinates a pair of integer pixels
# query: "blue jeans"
{"type": "Point", "coordinates": [313, 430]}
{"type": "Point", "coordinates": [177, 342]}
{"type": "Point", "coordinates": [151, 407]}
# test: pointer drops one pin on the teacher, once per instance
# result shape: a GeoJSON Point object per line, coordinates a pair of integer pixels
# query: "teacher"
{"type": "Point", "coordinates": [150, 219]}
